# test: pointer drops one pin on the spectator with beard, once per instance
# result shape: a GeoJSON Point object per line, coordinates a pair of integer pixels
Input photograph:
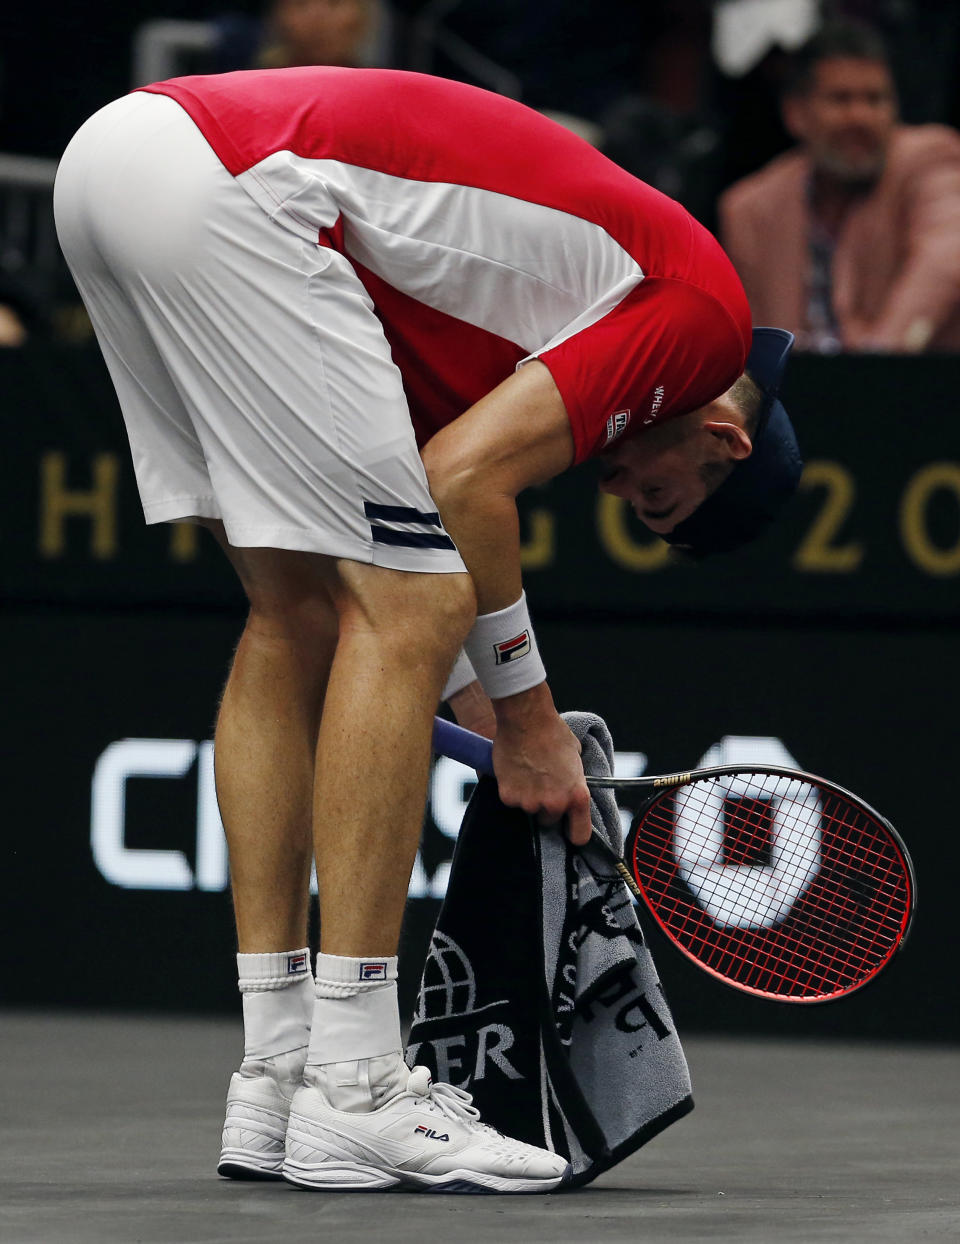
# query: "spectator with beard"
{"type": "Point", "coordinates": [852, 239]}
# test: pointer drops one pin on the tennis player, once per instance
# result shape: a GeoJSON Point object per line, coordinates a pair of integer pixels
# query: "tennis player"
{"type": "Point", "coordinates": [350, 315]}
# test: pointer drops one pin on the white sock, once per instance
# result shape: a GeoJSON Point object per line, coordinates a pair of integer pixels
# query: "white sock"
{"type": "Point", "coordinates": [277, 1003]}
{"type": "Point", "coordinates": [355, 1052]}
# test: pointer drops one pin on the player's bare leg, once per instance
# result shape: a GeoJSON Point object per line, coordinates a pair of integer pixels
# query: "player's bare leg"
{"type": "Point", "coordinates": [266, 742]}
{"type": "Point", "coordinates": [399, 635]}
{"type": "Point", "coordinates": [369, 791]}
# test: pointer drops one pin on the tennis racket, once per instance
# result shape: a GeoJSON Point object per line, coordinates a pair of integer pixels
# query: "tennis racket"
{"type": "Point", "coordinates": [777, 882]}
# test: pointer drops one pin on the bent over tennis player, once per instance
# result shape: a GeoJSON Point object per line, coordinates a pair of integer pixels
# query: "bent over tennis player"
{"type": "Point", "coordinates": [350, 315]}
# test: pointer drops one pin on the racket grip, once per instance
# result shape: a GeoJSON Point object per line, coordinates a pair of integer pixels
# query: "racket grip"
{"type": "Point", "coordinates": [463, 745]}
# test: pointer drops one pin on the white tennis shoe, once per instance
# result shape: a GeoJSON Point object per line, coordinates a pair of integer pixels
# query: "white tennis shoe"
{"type": "Point", "coordinates": [258, 1104]}
{"type": "Point", "coordinates": [428, 1138]}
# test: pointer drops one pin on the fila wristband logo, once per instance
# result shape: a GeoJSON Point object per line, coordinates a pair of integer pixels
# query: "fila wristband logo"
{"type": "Point", "coordinates": [373, 971]}
{"type": "Point", "coordinates": [296, 964]}
{"type": "Point", "coordinates": [512, 649]}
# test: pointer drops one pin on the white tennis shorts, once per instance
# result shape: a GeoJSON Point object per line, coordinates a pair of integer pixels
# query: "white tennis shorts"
{"type": "Point", "coordinates": [256, 384]}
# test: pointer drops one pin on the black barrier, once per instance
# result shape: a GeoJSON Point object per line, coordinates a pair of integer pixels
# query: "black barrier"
{"type": "Point", "coordinates": [114, 883]}
{"type": "Point", "coordinates": [874, 532]}
{"type": "Point", "coordinates": [833, 641]}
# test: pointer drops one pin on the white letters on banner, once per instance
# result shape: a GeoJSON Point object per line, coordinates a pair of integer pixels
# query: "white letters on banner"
{"type": "Point", "coordinates": [451, 785]}
{"type": "Point", "coordinates": [748, 896]}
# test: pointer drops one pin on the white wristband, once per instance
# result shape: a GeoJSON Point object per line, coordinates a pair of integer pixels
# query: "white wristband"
{"type": "Point", "coordinates": [503, 650]}
{"type": "Point", "coordinates": [462, 675]}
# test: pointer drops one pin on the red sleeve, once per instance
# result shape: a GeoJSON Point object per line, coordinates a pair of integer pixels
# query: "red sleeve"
{"type": "Point", "coordinates": [667, 349]}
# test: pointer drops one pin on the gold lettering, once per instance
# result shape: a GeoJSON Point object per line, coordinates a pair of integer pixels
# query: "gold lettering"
{"type": "Point", "coordinates": [540, 547]}
{"type": "Point", "coordinates": [818, 552]}
{"type": "Point", "coordinates": [913, 518]}
{"type": "Point", "coordinates": [98, 504]}
{"type": "Point", "coordinates": [618, 540]}
{"type": "Point", "coordinates": [184, 544]}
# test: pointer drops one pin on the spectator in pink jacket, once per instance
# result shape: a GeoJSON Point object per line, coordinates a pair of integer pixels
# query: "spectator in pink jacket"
{"type": "Point", "coordinates": [852, 239]}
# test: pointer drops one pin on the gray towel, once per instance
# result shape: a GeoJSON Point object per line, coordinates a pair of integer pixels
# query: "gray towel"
{"type": "Point", "coordinates": [609, 1008]}
{"type": "Point", "coordinates": [539, 994]}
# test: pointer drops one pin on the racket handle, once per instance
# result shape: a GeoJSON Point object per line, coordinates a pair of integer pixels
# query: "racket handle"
{"type": "Point", "coordinates": [463, 745]}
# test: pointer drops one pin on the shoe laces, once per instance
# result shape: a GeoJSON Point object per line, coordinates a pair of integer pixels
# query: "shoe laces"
{"type": "Point", "coordinates": [454, 1103]}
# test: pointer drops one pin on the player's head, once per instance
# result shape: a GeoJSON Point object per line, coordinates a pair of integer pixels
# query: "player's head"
{"type": "Point", "coordinates": [841, 102]}
{"type": "Point", "coordinates": [713, 479]}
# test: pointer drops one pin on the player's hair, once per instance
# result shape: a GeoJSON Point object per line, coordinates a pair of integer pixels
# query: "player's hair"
{"type": "Point", "coordinates": [747, 396]}
{"type": "Point", "coordinates": [842, 37]}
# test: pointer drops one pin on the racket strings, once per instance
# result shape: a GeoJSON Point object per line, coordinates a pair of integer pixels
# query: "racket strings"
{"type": "Point", "coordinates": [782, 886]}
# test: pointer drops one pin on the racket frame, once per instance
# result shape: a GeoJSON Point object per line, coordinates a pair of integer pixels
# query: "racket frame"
{"type": "Point", "coordinates": [677, 781]}
{"type": "Point", "coordinates": [476, 752]}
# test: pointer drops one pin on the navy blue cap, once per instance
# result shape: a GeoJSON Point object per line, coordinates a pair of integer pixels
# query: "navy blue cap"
{"type": "Point", "coordinates": [756, 489]}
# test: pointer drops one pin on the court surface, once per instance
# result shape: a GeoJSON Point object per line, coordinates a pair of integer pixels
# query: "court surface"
{"type": "Point", "coordinates": [109, 1131]}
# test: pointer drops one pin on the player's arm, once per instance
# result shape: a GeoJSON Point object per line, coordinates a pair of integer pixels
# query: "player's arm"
{"type": "Point", "coordinates": [516, 436]}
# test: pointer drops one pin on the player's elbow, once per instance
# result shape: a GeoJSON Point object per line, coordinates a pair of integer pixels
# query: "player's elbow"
{"type": "Point", "coordinates": [451, 474]}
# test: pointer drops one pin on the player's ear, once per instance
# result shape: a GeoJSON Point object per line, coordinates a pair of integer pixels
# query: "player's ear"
{"type": "Point", "coordinates": [735, 441]}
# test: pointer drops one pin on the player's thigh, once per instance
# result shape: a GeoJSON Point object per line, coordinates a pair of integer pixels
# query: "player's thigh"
{"type": "Point", "coordinates": [308, 597]}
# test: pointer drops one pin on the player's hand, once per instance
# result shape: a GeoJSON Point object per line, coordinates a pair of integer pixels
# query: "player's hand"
{"type": "Point", "coordinates": [536, 759]}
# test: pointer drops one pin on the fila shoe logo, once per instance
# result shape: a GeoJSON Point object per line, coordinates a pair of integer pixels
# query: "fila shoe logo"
{"type": "Point", "coordinates": [429, 1133]}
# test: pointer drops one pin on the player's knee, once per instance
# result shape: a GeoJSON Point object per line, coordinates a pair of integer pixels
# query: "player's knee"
{"type": "Point", "coordinates": [305, 619]}
{"type": "Point", "coordinates": [430, 614]}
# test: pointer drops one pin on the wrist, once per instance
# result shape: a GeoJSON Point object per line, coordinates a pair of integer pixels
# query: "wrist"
{"type": "Point", "coordinates": [503, 650]}
{"type": "Point", "coordinates": [525, 709]}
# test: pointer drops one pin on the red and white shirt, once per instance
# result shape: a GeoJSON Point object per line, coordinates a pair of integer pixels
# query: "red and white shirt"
{"type": "Point", "coordinates": [485, 235]}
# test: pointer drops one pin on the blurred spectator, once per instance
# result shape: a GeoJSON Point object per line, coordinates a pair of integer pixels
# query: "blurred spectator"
{"type": "Point", "coordinates": [301, 32]}
{"type": "Point", "coordinates": [319, 32]}
{"type": "Point", "coordinates": [852, 239]}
